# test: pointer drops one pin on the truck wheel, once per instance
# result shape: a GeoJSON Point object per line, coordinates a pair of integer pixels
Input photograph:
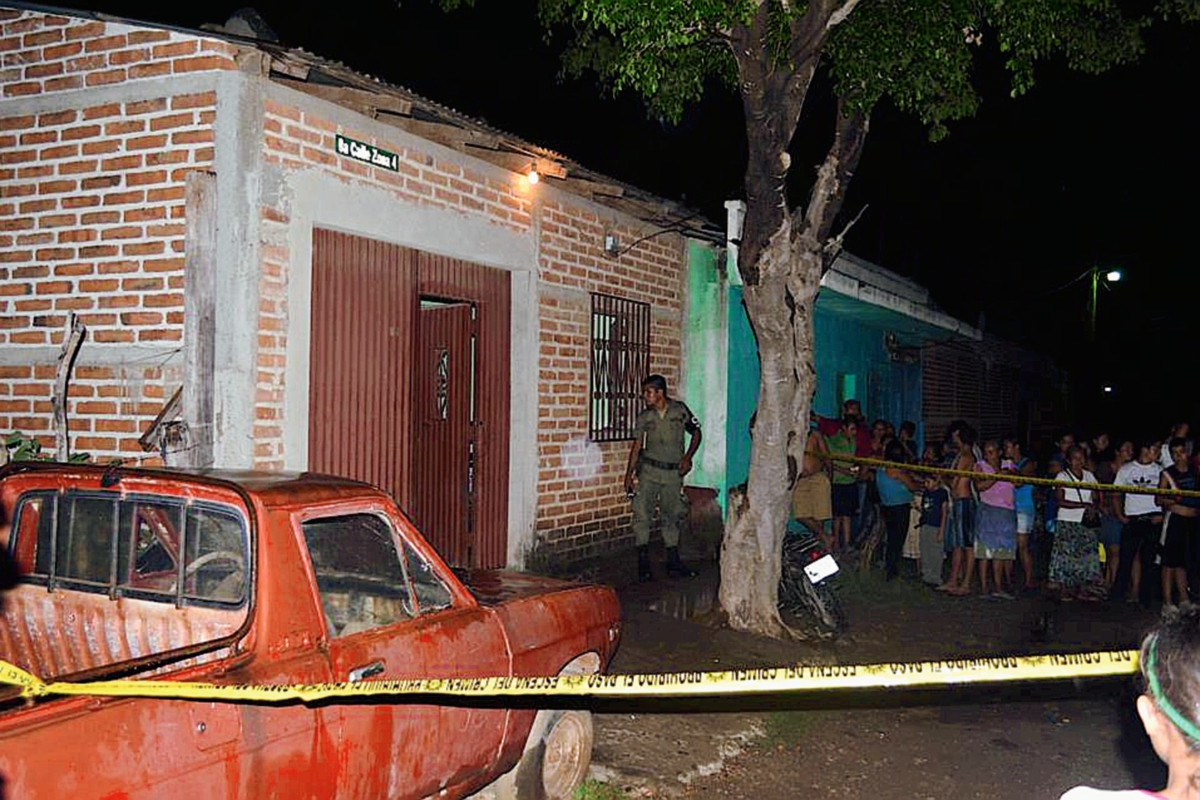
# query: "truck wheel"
{"type": "Point", "coordinates": [556, 765]}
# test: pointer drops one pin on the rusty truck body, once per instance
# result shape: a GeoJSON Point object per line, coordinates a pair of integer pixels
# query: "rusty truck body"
{"type": "Point", "coordinates": [271, 578]}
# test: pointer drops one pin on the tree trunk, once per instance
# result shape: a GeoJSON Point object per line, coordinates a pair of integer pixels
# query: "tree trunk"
{"type": "Point", "coordinates": [782, 257]}
{"type": "Point", "coordinates": [780, 307]}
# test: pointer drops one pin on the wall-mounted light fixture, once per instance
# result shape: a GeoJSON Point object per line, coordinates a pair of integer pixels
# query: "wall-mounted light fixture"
{"type": "Point", "coordinates": [612, 245]}
{"type": "Point", "coordinates": [541, 168]}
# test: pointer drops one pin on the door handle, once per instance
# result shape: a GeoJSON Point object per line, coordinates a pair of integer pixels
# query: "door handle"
{"type": "Point", "coordinates": [366, 671]}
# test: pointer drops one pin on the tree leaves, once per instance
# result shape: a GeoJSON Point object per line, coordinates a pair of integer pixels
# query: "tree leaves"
{"type": "Point", "coordinates": [664, 50]}
{"type": "Point", "coordinates": [918, 53]}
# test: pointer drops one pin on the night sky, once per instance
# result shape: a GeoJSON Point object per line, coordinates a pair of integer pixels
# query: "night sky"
{"type": "Point", "coordinates": [1016, 202]}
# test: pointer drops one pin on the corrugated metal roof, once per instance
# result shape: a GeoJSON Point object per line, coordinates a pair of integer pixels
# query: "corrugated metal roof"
{"type": "Point", "coordinates": [320, 71]}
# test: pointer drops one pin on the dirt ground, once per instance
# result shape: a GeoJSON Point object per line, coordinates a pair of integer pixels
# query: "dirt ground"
{"type": "Point", "coordinates": [1028, 741]}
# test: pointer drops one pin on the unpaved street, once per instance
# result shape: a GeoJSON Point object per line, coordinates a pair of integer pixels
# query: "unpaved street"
{"type": "Point", "coordinates": [1028, 740]}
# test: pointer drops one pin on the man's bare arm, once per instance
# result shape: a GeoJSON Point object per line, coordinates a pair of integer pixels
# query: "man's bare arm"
{"type": "Point", "coordinates": [631, 467]}
{"type": "Point", "coordinates": [685, 463]}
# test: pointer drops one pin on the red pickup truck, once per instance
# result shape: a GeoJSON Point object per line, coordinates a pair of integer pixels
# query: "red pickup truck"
{"type": "Point", "coordinates": [272, 578]}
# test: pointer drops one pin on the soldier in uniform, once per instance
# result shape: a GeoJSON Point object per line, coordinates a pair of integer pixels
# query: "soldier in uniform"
{"type": "Point", "coordinates": [654, 475]}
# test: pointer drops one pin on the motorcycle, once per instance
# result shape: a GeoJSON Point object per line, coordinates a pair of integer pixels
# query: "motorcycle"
{"type": "Point", "coordinates": [807, 578]}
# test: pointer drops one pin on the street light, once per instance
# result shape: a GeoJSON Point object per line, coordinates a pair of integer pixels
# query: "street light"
{"type": "Point", "coordinates": [1111, 276]}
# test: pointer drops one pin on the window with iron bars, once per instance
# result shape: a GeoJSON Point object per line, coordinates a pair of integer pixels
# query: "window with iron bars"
{"type": "Point", "coordinates": [620, 361]}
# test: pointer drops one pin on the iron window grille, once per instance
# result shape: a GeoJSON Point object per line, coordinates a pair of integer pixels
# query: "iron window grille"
{"type": "Point", "coordinates": [620, 361]}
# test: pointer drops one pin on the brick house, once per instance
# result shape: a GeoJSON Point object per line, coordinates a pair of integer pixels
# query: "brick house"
{"type": "Point", "coordinates": [293, 266]}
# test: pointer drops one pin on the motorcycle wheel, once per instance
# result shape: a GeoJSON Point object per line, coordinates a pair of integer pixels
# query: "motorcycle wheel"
{"type": "Point", "coordinates": [798, 595]}
{"type": "Point", "coordinates": [825, 606]}
{"type": "Point", "coordinates": [791, 594]}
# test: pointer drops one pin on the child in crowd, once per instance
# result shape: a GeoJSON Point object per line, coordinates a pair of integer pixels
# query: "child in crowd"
{"type": "Point", "coordinates": [1170, 664]}
{"type": "Point", "coordinates": [933, 529]}
{"type": "Point", "coordinates": [1025, 506]}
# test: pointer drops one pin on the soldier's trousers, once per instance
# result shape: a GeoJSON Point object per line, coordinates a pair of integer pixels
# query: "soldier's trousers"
{"type": "Point", "coordinates": [662, 488]}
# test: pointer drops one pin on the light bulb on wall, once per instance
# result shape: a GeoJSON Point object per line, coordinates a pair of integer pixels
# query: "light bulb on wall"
{"type": "Point", "coordinates": [532, 176]}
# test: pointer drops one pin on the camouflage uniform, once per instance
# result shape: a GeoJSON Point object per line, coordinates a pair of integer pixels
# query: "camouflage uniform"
{"type": "Point", "coordinates": [659, 481]}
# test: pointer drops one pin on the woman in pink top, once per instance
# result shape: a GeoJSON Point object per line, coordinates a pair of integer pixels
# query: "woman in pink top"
{"type": "Point", "coordinates": [996, 526]}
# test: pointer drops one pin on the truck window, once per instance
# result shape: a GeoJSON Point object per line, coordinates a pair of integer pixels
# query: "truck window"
{"type": "Point", "coordinates": [432, 593]}
{"type": "Point", "coordinates": [361, 578]}
{"type": "Point", "coordinates": [214, 564]}
{"type": "Point", "coordinates": [87, 530]}
{"type": "Point", "coordinates": [157, 548]}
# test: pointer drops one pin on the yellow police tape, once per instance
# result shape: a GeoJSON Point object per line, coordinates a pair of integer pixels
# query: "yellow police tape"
{"type": "Point", "coordinates": [1005, 477]}
{"type": "Point", "coordinates": [799, 678]}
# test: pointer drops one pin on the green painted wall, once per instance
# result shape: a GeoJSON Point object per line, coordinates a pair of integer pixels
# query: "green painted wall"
{"type": "Point", "coordinates": [705, 360]}
{"type": "Point", "coordinates": [846, 346]}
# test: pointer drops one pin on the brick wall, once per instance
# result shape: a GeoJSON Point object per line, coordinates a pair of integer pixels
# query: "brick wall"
{"type": "Point", "coordinates": [300, 140]}
{"type": "Point", "coordinates": [92, 221]}
{"type": "Point", "coordinates": [44, 53]}
{"type": "Point", "coordinates": [582, 509]}
{"type": "Point", "coordinates": [92, 216]}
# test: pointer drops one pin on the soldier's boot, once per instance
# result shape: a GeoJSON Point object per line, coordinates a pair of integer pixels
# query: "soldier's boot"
{"type": "Point", "coordinates": [644, 572]}
{"type": "Point", "coordinates": [675, 567]}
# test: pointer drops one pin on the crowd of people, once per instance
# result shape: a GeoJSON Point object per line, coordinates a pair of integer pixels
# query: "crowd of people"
{"type": "Point", "coordinates": [972, 528]}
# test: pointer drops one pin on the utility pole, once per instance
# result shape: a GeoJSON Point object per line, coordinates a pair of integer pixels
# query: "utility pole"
{"type": "Point", "coordinates": [1112, 276]}
{"type": "Point", "coordinates": [1092, 303]}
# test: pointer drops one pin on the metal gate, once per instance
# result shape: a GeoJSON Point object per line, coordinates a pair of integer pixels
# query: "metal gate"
{"type": "Point", "coordinates": [364, 403]}
{"type": "Point", "coordinates": [364, 296]}
{"type": "Point", "coordinates": [971, 381]}
{"type": "Point", "coordinates": [489, 292]}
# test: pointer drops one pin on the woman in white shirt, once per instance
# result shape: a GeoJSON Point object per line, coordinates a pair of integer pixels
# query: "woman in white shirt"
{"type": "Point", "coordinates": [1142, 521]}
{"type": "Point", "coordinates": [1075, 557]}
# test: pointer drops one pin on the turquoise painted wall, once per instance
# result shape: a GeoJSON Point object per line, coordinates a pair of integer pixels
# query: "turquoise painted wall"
{"type": "Point", "coordinates": [742, 388]}
{"type": "Point", "coordinates": [845, 347]}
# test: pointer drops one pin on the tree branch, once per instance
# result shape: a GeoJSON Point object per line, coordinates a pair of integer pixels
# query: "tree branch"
{"type": "Point", "coordinates": [810, 30]}
{"type": "Point", "coordinates": [839, 16]}
{"type": "Point", "coordinates": [833, 246]}
{"type": "Point", "coordinates": [72, 339]}
{"type": "Point", "coordinates": [766, 137]}
{"type": "Point", "coordinates": [832, 178]}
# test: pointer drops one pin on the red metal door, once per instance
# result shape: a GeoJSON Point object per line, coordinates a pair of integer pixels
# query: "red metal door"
{"type": "Point", "coordinates": [444, 441]}
{"type": "Point", "coordinates": [489, 291]}
{"type": "Point", "coordinates": [364, 295]}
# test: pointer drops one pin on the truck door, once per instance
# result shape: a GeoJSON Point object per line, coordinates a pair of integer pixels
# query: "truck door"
{"type": "Point", "coordinates": [390, 616]}
{"type": "Point", "coordinates": [389, 748]}
{"type": "Point", "coordinates": [461, 641]}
